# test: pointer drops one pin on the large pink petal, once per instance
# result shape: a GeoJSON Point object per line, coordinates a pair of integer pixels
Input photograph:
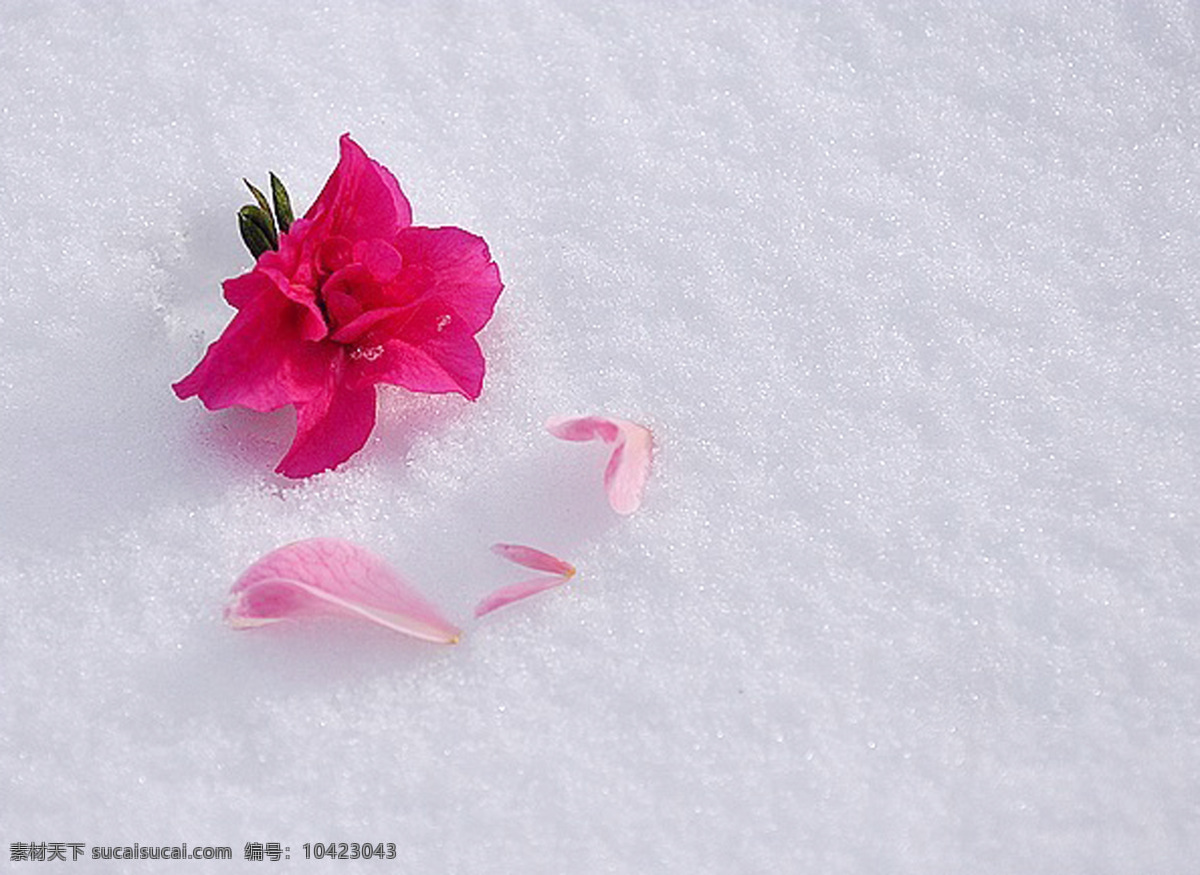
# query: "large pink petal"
{"type": "Point", "coordinates": [456, 267]}
{"type": "Point", "coordinates": [261, 360]}
{"type": "Point", "coordinates": [514, 592]}
{"type": "Point", "coordinates": [361, 200]}
{"type": "Point", "coordinates": [330, 427]}
{"type": "Point", "coordinates": [329, 576]}
{"type": "Point", "coordinates": [628, 466]}
{"type": "Point", "coordinates": [533, 558]}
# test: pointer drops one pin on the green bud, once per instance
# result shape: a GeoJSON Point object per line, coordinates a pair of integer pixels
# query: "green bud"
{"type": "Point", "coordinates": [266, 208]}
{"type": "Point", "coordinates": [258, 196]}
{"type": "Point", "coordinates": [283, 203]}
{"type": "Point", "coordinates": [258, 231]}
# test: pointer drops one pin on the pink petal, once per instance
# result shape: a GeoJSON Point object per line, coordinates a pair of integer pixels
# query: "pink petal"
{"type": "Point", "coordinates": [329, 576]}
{"type": "Point", "coordinates": [628, 467]}
{"type": "Point", "coordinates": [584, 428]}
{"type": "Point", "coordinates": [433, 352]}
{"type": "Point", "coordinates": [434, 368]}
{"type": "Point", "coordinates": [506, 595]}
{"type": "Point", "coordinates": [335, 253]}
{"type": "Point", "coordinates": [272, 274]}
{"type": "Point", "coordinates": [352, 330]}
{"type": "Point", "coordinates": [242, 290]}
{"type": "Point", "coordinates": [342, 307]}
{"type": "Point", "coordinates": [262, 360]}
{"type": "Point", "coordinates": [456, 267]}
{"type": "Point", "coordinates": [330, 427]}
{"type": "Point", "coordinates": [535, 559]}
{"type": "Point", "coordinates": [356, 282]}
{"type": "Point", "coordinates": [361, 200]}
{"type": "Point", "coordinates": [380, 258]}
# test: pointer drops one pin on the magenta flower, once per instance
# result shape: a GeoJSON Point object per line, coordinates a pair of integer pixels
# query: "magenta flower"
{"type": "Point", "coordinates": [355, 295]}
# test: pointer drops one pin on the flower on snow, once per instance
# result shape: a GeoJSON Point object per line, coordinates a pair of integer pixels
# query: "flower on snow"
{"type": "Point", "coordinates": [355, 295]}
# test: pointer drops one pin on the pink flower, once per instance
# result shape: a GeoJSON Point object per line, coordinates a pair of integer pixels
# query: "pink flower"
{"type": "Point", "coordinates": [355, 295]}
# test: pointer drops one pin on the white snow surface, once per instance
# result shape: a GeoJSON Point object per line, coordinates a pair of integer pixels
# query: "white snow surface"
{"type": "Point", "coordinates": [907, 293]}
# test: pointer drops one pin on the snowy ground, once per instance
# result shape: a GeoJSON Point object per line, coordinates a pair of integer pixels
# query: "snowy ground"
{"type": "Point", "coordinates": [907, 292]}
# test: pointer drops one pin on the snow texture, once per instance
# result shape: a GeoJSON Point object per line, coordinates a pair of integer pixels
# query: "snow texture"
{"type": "Point", "coordinates": [907, 292]}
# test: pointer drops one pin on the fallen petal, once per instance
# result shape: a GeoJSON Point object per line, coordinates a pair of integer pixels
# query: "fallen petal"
{"type": "Point", "coordinates": [514, 592]}
{"type": "Point", "coordinates": [535, 559]}
{"type": "Point", "coordinates": [628, 467]}
{"type": "Point", "coordinates": [329, 576]}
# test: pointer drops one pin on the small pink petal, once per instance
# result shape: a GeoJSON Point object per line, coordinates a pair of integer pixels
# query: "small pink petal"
{"type": "Point", "coordinates": [628, 466]}
{"type": "Point", "coordinates": [535, 559]}
{"type": "Point", "coordinates": [514, 592]}
{"type": "Point", "coordinates": [329, 576]}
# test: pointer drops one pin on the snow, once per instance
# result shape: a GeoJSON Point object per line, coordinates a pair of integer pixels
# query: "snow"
{"type": "Point", "coordinates": [906, 293]}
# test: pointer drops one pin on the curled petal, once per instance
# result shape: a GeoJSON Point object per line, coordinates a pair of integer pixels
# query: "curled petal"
{"type": "Point", "coordinates": [241, 290]}
{"type": "Point", "coordinates": [329, 576]}
{"type": "Point", "coordinates": [628, 467]}
{"type": "Point", "coordinates": [535, 559]}
{"type": "Point", "coordinates": [514, 592]}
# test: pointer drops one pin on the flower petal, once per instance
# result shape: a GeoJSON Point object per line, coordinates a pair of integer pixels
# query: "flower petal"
{"type": "Point", "coordinates": [242, 290]}
{"type": "Point", "coordinates": [380, 258]}
{"type": "Point", "coordinates": [628, 466]}
{"type": "Point", "coordinates": [432, 368]}
{"type": "Point", "coordinates": [535, 559]}
{"type": "Point", "coordinates": [261, 360]}
{"type": "Point", "coordinates": [506, 595]}
{"type": "Point", "coordinates": [352, 330]}
{"type": "Point", "coordinates": [361, 200]}
{"type": "Point", "coordinates": [456, 267]}
{"type": "Point", "coordinates": [268, 279]}
{"type": "Point", "coordinates": [330, 427]}
{"type": "Point", "coordinates": [424, 350]}
{"type": "Point", "coordinates": [334, 253]}
{"type": "Point", "coordinates": [329, 576]}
